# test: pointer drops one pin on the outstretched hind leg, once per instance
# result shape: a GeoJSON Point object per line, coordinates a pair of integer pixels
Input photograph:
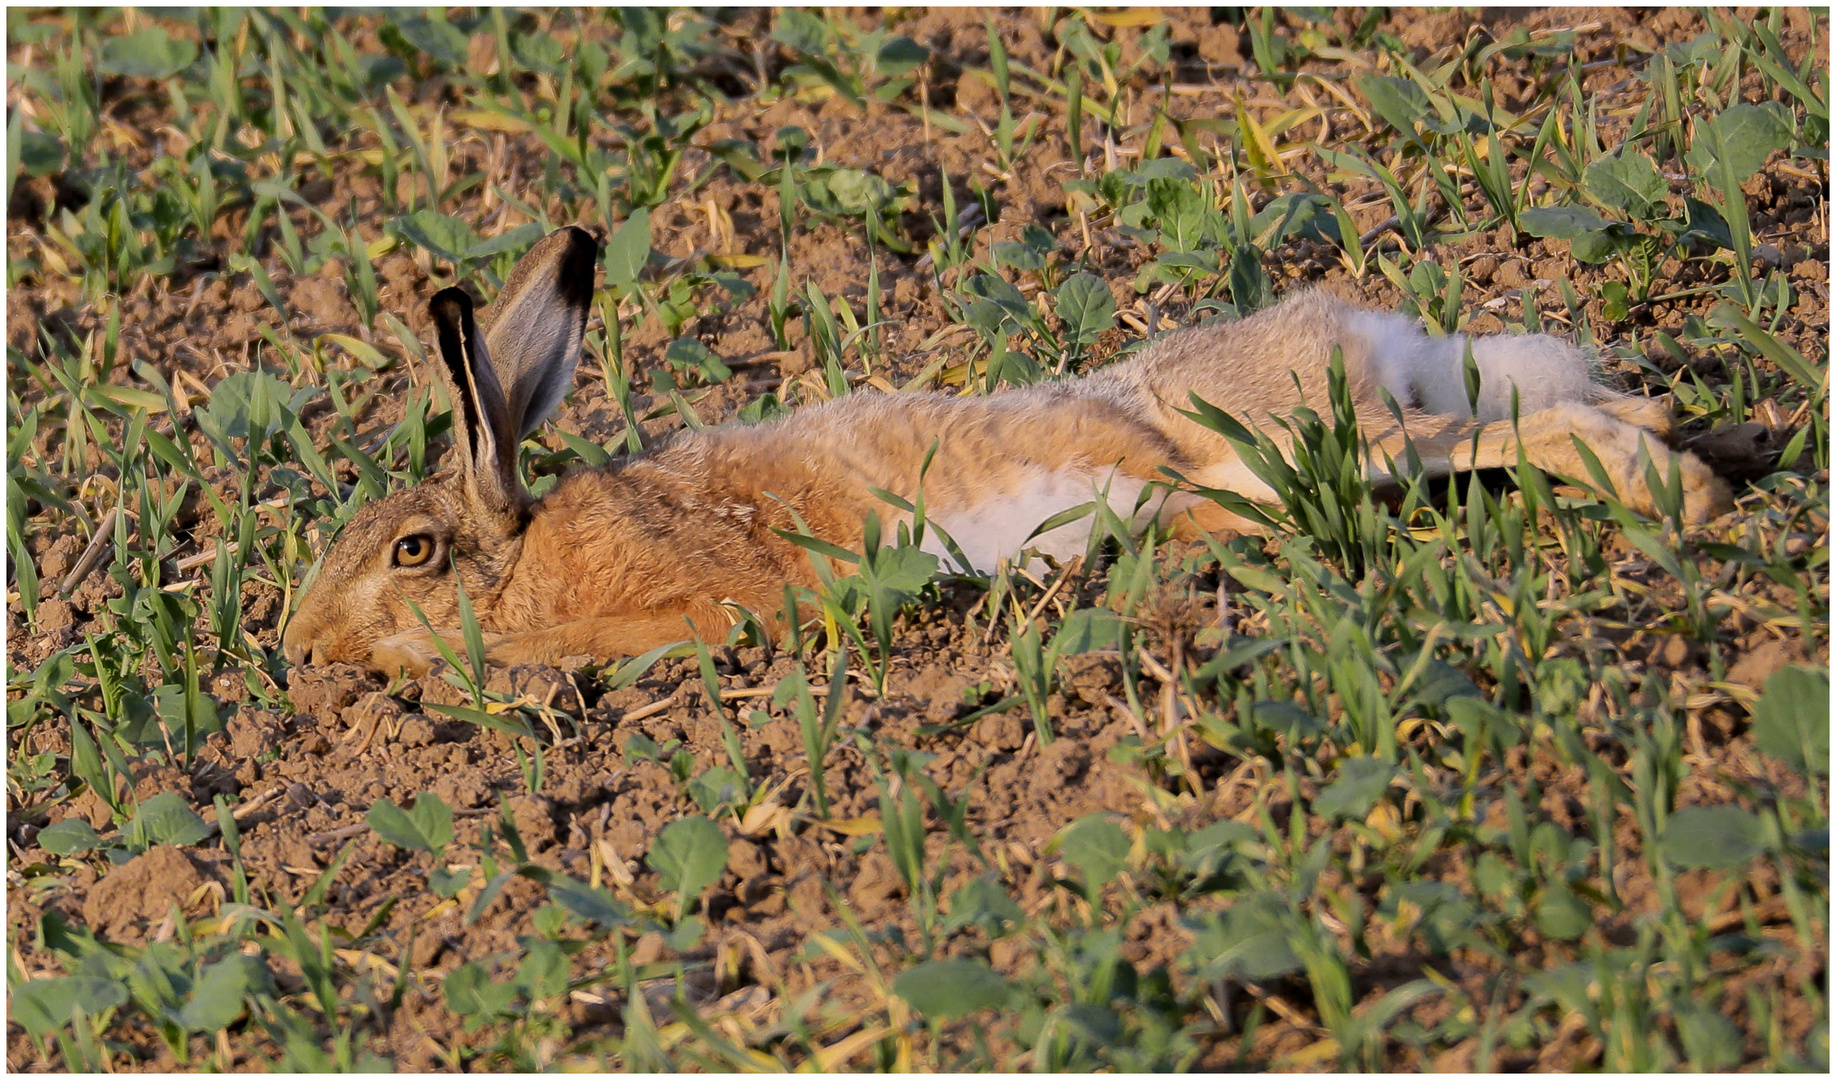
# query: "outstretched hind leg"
{"type": "Point", "coordinates": [1652, 414]}
{"type": "Point", "coordinates": [1192, 517]}
{"type": "Point", "coordinates": [1547, 440]}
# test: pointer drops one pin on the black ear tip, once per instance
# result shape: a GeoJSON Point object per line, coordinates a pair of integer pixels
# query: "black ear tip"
{"type": "Point", "coordinates": [582, 247]}
{"type": "Point", "coordinates": [579, 268]}
{"type": "Point", "coordinates": [450, 304]}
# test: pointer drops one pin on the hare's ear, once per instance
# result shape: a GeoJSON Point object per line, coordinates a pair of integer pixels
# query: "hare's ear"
{"type": "Point", "coordinates": [482, 430]}
{"type": "Point", "coordinates": [534, 328]}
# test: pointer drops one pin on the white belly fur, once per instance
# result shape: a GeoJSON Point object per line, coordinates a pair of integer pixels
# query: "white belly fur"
{"type": "Point", "coordinates": [1002, 524]}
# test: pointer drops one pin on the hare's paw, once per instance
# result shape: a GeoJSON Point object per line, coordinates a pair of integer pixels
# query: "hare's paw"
{"type": "Point", "coordinates": [1622, 448]}
{"type": "Point", "coordinates": [414, 651]}
{"type": "Point", "coordinates": [1705, 494]}
{"type": "Point", "coordinates": [1652, 414]}
{"type": "Point", "coordinates": [411, 652]}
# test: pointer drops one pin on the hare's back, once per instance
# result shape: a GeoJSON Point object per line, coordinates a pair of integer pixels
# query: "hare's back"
{"type": "Point", "coordinates": [990, 468]}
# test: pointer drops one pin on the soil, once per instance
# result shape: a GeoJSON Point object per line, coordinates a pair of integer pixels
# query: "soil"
{"type": "Point", "coordinates": [307, 769]}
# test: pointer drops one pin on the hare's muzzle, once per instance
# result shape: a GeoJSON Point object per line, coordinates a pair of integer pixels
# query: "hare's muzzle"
{"type": "Point", "coordinates": [297, 652]}
{"type": "Point", "coordinates": [303, 641]}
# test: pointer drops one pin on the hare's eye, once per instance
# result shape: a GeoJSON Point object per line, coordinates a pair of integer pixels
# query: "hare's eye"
{"type": "Point", "coordinates": [413, 550]}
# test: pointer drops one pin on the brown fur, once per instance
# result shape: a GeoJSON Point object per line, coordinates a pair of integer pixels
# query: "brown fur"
{"type": "Point", "coordinates": [649, 550]}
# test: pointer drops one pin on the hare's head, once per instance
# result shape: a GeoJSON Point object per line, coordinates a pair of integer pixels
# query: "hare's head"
{"type": "Point", "coordinates": [465, 526]}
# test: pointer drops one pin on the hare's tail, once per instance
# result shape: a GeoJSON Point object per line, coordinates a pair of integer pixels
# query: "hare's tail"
{"type": "Point", "coordinates": [1277, 358]}
{"type": "Point", "coordinates": [1521, 373]}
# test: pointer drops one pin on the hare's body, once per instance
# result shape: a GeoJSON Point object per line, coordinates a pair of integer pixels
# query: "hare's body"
{"type": "Point", "coordinates": [649, 550]}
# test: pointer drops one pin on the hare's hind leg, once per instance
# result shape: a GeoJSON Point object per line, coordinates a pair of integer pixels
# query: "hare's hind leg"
{"type": "Point", "coordinates": [1547, 439]}
{"type": "Point", "coordinates": [1192, 516]}
{"type": "Point", "coordinates": [1649, 413]}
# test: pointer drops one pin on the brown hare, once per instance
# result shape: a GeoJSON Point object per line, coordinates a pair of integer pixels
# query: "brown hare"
{"type": "Point", "coordinates": [656, 548]}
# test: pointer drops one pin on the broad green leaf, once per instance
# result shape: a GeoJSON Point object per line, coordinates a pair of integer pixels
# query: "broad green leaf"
{"type": "Point", "coordinates": [41, 1006]}
{"type": "Point", "coordinates": [1213, 847]}
{"type": "Point", "coordinates": [1398, 100]}
{"type": "Point", "coordinates": [1163, 168]}
{"type": "Point", "coordinates": [767, 406]}
{"type": "Point", "coordinates": [544, 971]}
{"type": "Point", "coordinates": [1598, 247]}
{"type": "Point", "coordinates": [688, 354]}
{"type": "Point", "coordinates": [1185, 214]}
{"type": "Point", "coordinates": [1202, 262]}
{"type": "Point", "coordinates": [628, 250]}
{"type": "Point", "coordinates": [469, 992]}
{"type": "Point", "coordinates": [218, 997]}
{"type": "Point", "coordinates": [899, 55]}
{"type": "Point", "coordinates": [165, 819]}
{"type": "Point", "coordinates": [40, 154]}
{"type": "Point", "coordinates": [858, 193]}
{"type": "Point", "coordinates": [514, 240]}
{"type": "Point", "coordinates": [151, 54]}
{"type": "Point", "coordinates": [985, 903]}
{"type": "Point", "coordinates": [1087, 308]}
{"type": "Point", "coordinates": [1088, 630]}
{"type": "Point", "coordinates": [443, 235]}
{"type": "Point", "coordinates": [1627, 181]}
{"type": "Point", "coordinates": [1017, 255]}
{"type": "Point", "coordinates": [1250, 287]}
{"type": "Point", "coordinates": [447, 883]}
{"type": "Point", "coordinates": [1701, 49]}
{"type": "Point", "coordinates": [689, 855]}
{"type": "Point", "coordinates": [895, 575]}
{"type": "Point", "coordinates": [1561, 914]}
{"type": "Point", "coordinates": [1287, 718]}
{"type": "Point", "coordinates": [1003, 294]}
{"type": "Point", "coordinates": [70, 836]}
{"type": "Point", "coordinates": [437, 38]}
{"type": "Point", "coordinates": [1249, 940]}
{"type": "Point", "coordinates": [1440, 681]}
{"type": "Point", "coordinates": [1360, 783]}
{"type": "Point", "coordinates": [1791, 720]}
{"type": "Point", "coordinates": [686, 934]}
{"type": "Point", "coordinates": [1097, 848]}
{"type": "Point", "coordinates": [245, 404]}
{"type": "Point", "coordinates": [1704, 222]}
{"type": "Point", "coordinates": [1561, 222]}
{"type": "Point", "coordinates": [593, 905]}
{"type": "Point", "coordinates": [539, 52]}
{"type": "Point", "coordinates": [1711, 1042]}
{"type": "Point", "coordinates": [801, 31]}
{"type": "Point", "coordinates": [1712, 837]}
{"type": "Point", "coordinates": [716, 788]}
{"type": "Point", "coordinates": [949, 989]}
{"type": "Point", "coordinates": [1448, 919]}
{"type": "Point", "coordinates": [1296, 213]}
{"type": "Point", "coordinates": [1744, 135]}
{"type": "Point", "coordinates": [428, 827]}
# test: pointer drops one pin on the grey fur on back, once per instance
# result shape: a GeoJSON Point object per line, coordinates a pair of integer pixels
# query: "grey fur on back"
{"type": "Point", "coordinates": [1262, 366]}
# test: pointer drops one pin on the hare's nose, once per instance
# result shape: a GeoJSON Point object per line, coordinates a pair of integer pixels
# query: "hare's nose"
{"type": "Point", "coordinates": [298, 645]}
